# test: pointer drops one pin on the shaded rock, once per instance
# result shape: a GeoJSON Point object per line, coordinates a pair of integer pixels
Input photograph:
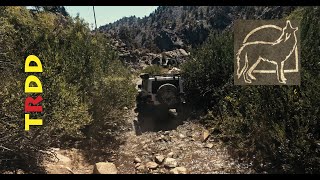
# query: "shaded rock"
{"type": "Point", "coordinates": [170, 163]}
{"type": "Point", "coordinates": [167, 138]}
{"type": "Point", "coordinates": [179, 170]}
{"type": "Point", "coordinates": [182, 136]}
{"type": "Point", "coordinates": [137, 165]}
{"type": "Point", "coordinates": [137, 160]}
{"type": "Point", "coordinates": [183, 52]}
{"type": "Point", "coordinates": [170, 154]}
{"type": "Point", "coordinates": [208, 145]}
{"type": "Point", "coordinates": [205, 135]}
{"type": "Point", "coordinates": [140, 167]}
{"type": "Point", "coordinates": [145, 146]}
{"type": "Point", "coordinates": [159, 159]}
{"type": "Point", "coordinates": [105, 168]}
{"type": "Point", "coordinates": [174, 70]}
{"type": "Point", "coordinates": [189, 134]}
{"type": "Point", "coordinates": [151, 165]}
{"type": "Point", "coordinates": [156, 61]}
{"type": "Point", "coordinates": [18, 171]}
{"type": "Point", "coordinates": [179, 43]}
{"type": "Point", "coordinates": [176, 53]}
{"type": "Point", "coordinates": [163, 148]}
{"type": "Point", "coordinates": [145, 153]}
{"type": "Point", "coordinates": [54, 149]}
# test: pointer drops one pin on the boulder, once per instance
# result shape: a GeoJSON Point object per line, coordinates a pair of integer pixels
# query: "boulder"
{"type": "Point", "coordinates": [183, 52]}
{"type": "Point", "coordinates": [137, 165]}
{"type": "Point", "coordinates": [151, 165]}
{"type": "Point", "coordinates": [179, 170]}
{"type": "Point", "coordinates": [170, 154]}
{"type": "Point", "coordinates": [176, 53]}
{"type": "Point", "coordinates": [105, 168]}
{"type": "Point", "coordinates": [205, 135]}
{"type": "Point", "coordinates": [182, 136]}
{"type": "Point", "coordinates": [159, 159]}
{"type": "Point", "coordinates": [141, 167]}
{"type": "Point", "coordinates": [156, 61]}
{"type": "Point", "coordinates": [170, 163]}
{"type": "Point", "coordinates": [137, 160]}
{"type": "Point", "coordinates": [174, 70]}
{"type": "Point", "coordinates": [209, 145]}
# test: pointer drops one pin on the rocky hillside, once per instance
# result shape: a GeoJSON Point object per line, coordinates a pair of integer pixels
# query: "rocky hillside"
{"type": "Point", "coordinates": [175, 27]}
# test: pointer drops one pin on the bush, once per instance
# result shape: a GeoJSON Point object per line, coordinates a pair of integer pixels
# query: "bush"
{"type": "Point", "coordinates": [208, 70]}
{"type": "Point", "coordinates": [275, 127]}
{"type": "Point", "coordinates": [80, 81]}
{"type": "Point", "coordinates": [111, 95]}
{"type": "Point", "coordinates": [153, 70]}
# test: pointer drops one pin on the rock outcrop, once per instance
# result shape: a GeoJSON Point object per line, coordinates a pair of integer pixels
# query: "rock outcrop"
{"type": "Point", "coordinates": [174, 27]}
{"type": "Point", "coordinates": [140, 58]}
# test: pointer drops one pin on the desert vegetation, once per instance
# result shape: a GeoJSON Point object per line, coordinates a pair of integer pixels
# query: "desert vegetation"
{"type": "Point", "coordinates": [277, 127]}
{"type": "Point", "coordinates": [85, 87]}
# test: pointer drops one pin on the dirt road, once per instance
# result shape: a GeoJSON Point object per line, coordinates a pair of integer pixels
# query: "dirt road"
{"type": "Point", "coordinates": [160, 144]}
{"type": "Point", "coordinates": [180, 142]}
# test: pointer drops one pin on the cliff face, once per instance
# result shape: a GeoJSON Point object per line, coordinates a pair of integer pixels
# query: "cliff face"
{"type": "Point", "coordinates": [175, 27]}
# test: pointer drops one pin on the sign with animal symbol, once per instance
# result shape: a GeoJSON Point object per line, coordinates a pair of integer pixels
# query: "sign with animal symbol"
{"type": "Point", "coordinates": [266, 52]}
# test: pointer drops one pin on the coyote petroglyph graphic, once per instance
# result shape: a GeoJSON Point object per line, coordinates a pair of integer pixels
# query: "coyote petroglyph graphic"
{"type": "Point", "coordinates": [250, 54]}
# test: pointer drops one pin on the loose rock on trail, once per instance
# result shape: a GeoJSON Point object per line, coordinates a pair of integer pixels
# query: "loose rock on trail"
{"type": "Point", "coordinates": [158, 146]}
{"type": "Point", "coordinates": [176, 151]}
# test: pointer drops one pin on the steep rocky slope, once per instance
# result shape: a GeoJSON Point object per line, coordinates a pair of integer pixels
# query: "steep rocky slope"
{"type": "Point", "coordinates": [174, 27]}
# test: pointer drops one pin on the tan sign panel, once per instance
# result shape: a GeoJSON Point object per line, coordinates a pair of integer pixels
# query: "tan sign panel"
{"type": "Point", "coordinates": [266, 52]}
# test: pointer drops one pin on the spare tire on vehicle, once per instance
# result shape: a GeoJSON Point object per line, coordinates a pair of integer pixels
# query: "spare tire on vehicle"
{"type": "Point", "coordinates": [168, 94]}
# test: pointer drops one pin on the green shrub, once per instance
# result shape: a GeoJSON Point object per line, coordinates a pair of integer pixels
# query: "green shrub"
{"type": "Point", "coordinates": [111, 95]}
{"type": "Point", "coordinates": [65, 113]}
{"type": "Point", "coordinates": [274, 127]}
{"type": "Point", "coordinates": [209, 68]}
{"type": "Point", "coordinates": [83, 85]}
{"type": "Point", "coordinates": [153, 70]}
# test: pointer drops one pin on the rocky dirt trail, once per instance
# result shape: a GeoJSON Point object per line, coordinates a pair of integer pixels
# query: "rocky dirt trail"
{"type": "Point", "coordinates": [157, 145]}
{"type": "Point", "coordinates": [184, 148]}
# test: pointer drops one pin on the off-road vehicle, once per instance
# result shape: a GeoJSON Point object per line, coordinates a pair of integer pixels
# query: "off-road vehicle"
{"type": "Point", "coordinates": [163, 91]}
